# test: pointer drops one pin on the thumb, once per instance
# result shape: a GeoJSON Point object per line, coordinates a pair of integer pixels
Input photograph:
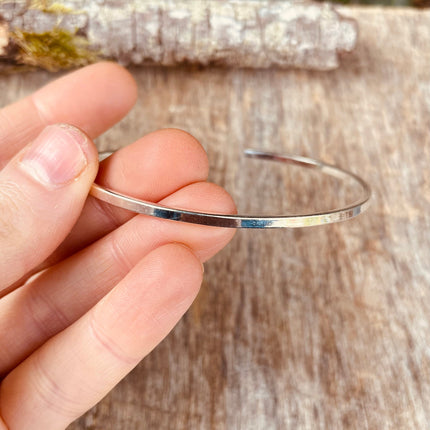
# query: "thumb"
{"type": "Point", "coordinates": [42, 192]}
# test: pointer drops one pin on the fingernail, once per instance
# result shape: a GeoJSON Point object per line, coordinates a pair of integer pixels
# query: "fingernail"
{"type": "Point", "coordinates": [57, 155]}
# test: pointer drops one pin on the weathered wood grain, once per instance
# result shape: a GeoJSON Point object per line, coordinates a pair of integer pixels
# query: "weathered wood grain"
{"type": "Point", "coordinates": [326, 327]}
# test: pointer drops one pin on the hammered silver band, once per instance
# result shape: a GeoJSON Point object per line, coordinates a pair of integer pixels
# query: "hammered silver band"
{"type": "Point", "coordinates": [250, 221]}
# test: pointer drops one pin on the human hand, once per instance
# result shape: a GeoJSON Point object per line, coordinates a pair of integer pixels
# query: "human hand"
{"type": "Point", "coordinates": [110, 284]}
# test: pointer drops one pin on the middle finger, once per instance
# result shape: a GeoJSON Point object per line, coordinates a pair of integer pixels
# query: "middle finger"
{"type": "Point", "coordinates": [151, 168]}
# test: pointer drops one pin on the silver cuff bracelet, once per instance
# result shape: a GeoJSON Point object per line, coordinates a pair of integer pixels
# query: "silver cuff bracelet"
{"type": "Point", "coordinates": [249, 221]}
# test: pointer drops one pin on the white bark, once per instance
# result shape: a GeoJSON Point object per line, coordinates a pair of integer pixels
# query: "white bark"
{"type": "Point", "coordinates": [243, 33]}
{"type": "Point", "coordinates": [4, 39]}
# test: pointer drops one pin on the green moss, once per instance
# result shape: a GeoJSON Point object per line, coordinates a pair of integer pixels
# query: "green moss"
{"type": "Point", "coordinates": [53, 50]}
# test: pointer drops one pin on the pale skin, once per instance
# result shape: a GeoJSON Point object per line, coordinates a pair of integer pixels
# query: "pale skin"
{"type": "Point", "coordinates": [110, 284]}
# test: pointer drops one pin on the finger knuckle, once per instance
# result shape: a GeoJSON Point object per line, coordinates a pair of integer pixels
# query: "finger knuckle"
{"type": "Point", "coordinates": [109, 345]}
{"type": "Point", "coordinates": [10, 212]}
{"type": "Point", "coordinates": [51, 394]}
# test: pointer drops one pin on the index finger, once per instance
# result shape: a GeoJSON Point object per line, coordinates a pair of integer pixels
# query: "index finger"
{"type": "Point", "coordinates": [93, 99]}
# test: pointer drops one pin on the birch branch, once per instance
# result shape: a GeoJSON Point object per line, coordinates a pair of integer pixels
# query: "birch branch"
{"type": "Point", "coordinates": [235, 33]}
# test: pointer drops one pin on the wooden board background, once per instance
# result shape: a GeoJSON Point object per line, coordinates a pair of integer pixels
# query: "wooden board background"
{"type": "Point", "coordinates": [325, 327]}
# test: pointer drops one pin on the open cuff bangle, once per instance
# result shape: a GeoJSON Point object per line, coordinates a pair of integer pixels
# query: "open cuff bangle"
{"type": "Point", "coordinates": [249, 221]}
